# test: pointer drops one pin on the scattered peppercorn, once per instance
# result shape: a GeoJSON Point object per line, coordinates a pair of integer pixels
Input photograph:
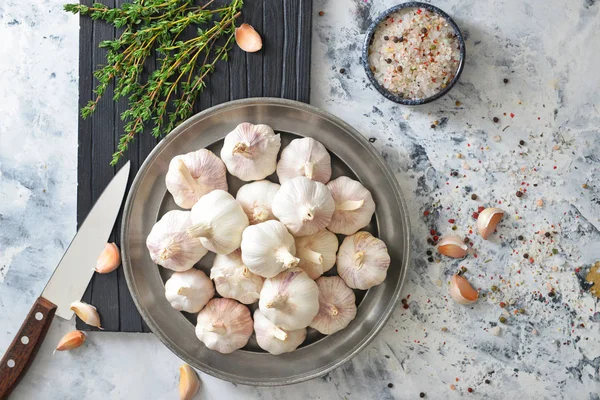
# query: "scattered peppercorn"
{"type": "Point", "coordinates": [421, 395]}
{"type": "Point", "coordinates": [432, 232]}
{"type": "Point", "coordinates": [390, 385]}
{"type": "Point", "coordinates": [399, 68]}
{"type": "Point", "coordinates": [450, 36]}
{"type": "Point", "coordinates": [405, 306]}
{"type": "Point", "coordinates": [466, 240]}
{"type": "Point", "coordinates": [470, 390]}
{"type": "Point", "coordinates": [404, 301]}
{"type": "Point", "coordinates": [454, 227]}
{"type": "Point", "coordinates": [520, 237]}
{"type": "Point", "coordinates": [388, 60]}
{"type": "Point", "coordinates": [525, 255]}
{"type": "Point", "coordinates": [321, 13]}
{"type": "Point", "coordinates": [432, 126]}
{"type": "Point", "coordinates": [554, 251]}
{"type": "Point", "coordinates": [457, 104]}
{"type": "Point", "coordinates": [519, 193]}
{"type": "Point", "coordinates": [429, 252]}
{"type": "Point", "coordinates": [395, 39]}
{"type": "Point", "coordinates": [585, 186]}
{"type": "Point", "coordinates": [521, 142]}
{"type": "Point", "coordinates": [423, 30]}
{"type": "Point", "coordinates": [426, 213]}
{"type": "Point", "coordinates": [502, 320]}
{"type": "Point", "coordinates": [494, 288]}
{"type": "Point", "coordinates": [430, 240]}
{"type": "Point", "coordinates": [496, 119]}
{"type": "Point", "coordinates": [454, 173]}
{"type": "Point", "coordinates": [502, 304]}
{"type": "Point", "coordinates": [487, 381]}
{"type": "Point", "coordinates": [480, 209]}
{"type": "Point", "coordinates": [521, 311]}
{"type": "Point", "coordinates": [547, 234]}
{"type": "Point", "coordinates": [505, 80]}
{"type": "Point", "coordinates": [552, 294]}
{"type": "Point", "coordinates": [401, 39]}
{"type": "Point", "coordinates": [473, 196]}
{"type": "Point", "coordinates": [463, 269]}
{"type": "Point", "coordinates": [342, 70]}
{"type": "Point", "coordinates": [386, 38]}
{"type": "Point", "coordinates": [430, 259]}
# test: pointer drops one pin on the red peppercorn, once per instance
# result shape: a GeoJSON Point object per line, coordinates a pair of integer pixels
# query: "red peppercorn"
{"type": "Point", "coordinates": [432, 232]}
{"type": "Point", "coordinates": [451, 221]}
{"type": "Point", "coordinates": [475, 215]}
{"type": "Point", "coordinates": [480, 209]}
{"type": "Point", "coordinates": [435, 238]}
{"type": "Point", "coordinates": [470, 390]}
{"type": "Point", "coordinates": [405, 306]}
{"type": "Point", "coordinates": [502, 304]}
{"type": "Point", "coordinates": [425, 213]}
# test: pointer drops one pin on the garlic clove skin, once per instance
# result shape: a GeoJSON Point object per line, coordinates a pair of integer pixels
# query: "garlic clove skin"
{"type": "Point", "coordinates": [218, 220]}
{"type": "Point", "coordinates": [337, 305]}
{"type": "Point", "coordinates": [169, 244]}
{"type": "Point", "coordinates": [71, 341]}
{"type": "Point", "coordinates": [488, 220]}
{"type": "Point", "coordinates": [192, 175]}
{"type": "Point", "coordinates": [274, 339]}
{"type": "Point", "coordinates": [189, 384]}
{"type": "Point", "coordinates": [452, 246]}
{"type": "Point", "coordinates": [234, 280]}
{"type": "Point", "coordinates": [268, 249]}
{"type": "Point", "coordinates": [354, 206]}
{"type": "Point", "coordinates": [247, 38]}
{"type": "Point", "coordinates": [461, 290]}
{"type": "Point", "coordinates": [362, 261]}
{"type": "Point", "coordinates": [87, 313]}
{"type": "Point", "coordinates": [303, 205]}
{"type": "Point", "coordinates": [317, 252]}
{"type": "Point", "coordinates": [290, 300]}
{"type": "Point", "coordinates": [250, 151]}
{"type": "Point", "coordinates": [256, 199]}
{"type": "Point", "coordinates": [109, 259]}
{"type": "Point", "coordinates": [224, 325]}
{"type": "Point", "coordinates": [304, 157]}
{"type": "Point", "coordinates": [189, 290]}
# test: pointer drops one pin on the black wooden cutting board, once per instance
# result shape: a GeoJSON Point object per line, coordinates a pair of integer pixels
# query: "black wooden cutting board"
{"type": "Point", "coordinates": [280, 69]}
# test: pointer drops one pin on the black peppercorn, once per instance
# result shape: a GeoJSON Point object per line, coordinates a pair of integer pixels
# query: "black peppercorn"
{"type": "Point", "coordinates": [389, 60]}
{"type": "Point", "coordinates": [430, 259]}
{"type": "Point", "coordinates": [430, 240]}
{"type": "Point", "coordinates": [552, 294]}
{"type": "Point", "coordinates": [520, 237]}
{"type": "Point", "coordinates": [321, 13]}
{"type": "Point", "coordinates": [521, 142]}
{"type": "Point", "coordinates": [473, 196]}
{"type": "Point", "coordinates": [429, 252]}
{"type": "Point", "coordinates": [505, 80]}
{"type": "Point", "coordinates": [342, 70]}
{"type": "Point", "coordinates": [421, 395]}
{"type": "Point", "coordinates": [547, 234]}
{"type": "Point", "coordinates": [496, 119]}
{"type": "Point", "coordinates": [423, 30]}
{"type": "Point", "coordinates": [386, 38]}
{"type": "Point", "coordinates": [432, 126]}
{"type": "Point", "coordinates": [399, 68]}
{"type": "Point", "coordinates": [395, 39]}
{"type": "Point", "coordinates": [525, 255]}
{"type": "Point", "coordinates": [401, 39]}
{"type": "Point", "coordinates": [466, 240]}
{"type": "Point", "coordinates": [404, 301]}
{"type": "Point", "coordinates": [519, 193]}
{"type": "Point", "coordinates": [487, 381]}
{"type": "Point", "coordinates": [390, 385]}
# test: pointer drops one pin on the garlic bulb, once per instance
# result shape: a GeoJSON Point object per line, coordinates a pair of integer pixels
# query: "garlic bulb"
{"type": "Point", "coordinates": [273, 339]}
{"type": "Point", "coordinates": [316, 252]}
{"type": "Point", "coordinates": [488, 220]}
{"type": "Point", "coordinates": [354, 206]}
{"type": "Point", "coordinates": [452, 246]}
{"type": "Point", "coordinates": [304, 206]}
{"type": "Point", "coordinates": [234, 280]}
{"type": "Point", "coordinates": [256, 199]}
{"type": "Point", "coordinates": [304, 157]}
{"type": "Point", "coordinates": [218, 221]}
{"type": "Point", "coordinates": [189, 291]}
{"type": "Point", "coordinates": [461, 290]}
{"type": "Point", "coordinates": [192, 175]}
{"type": "Point", "coordinates": [170, 245]}
{"type": "Point", "coordinates": [224, 325]}
{"type": "Point", "coordinates": [268, 249]}
{"type": "Point", "coordinates": [290, 300]}
{"type": "Point", "coordinates": [362, 261]}
{"type": "Point", "coordinates": [250, 151]}
{"type": "Point", "coordinates": [337, 305]}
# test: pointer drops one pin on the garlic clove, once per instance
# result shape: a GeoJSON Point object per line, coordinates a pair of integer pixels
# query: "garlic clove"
{"type": "Point", "coordinates": [224, 325]}
{"type": "Point", "coordinates": [256, 199]}
{"type": "Point", "coordinates": [109, 259]}
{"type": "Point", "coordinates": [461, 290]}
{"type": "Point", "coordinates": [192, 175]}
{"type": "Point", "coordinates": [247, 38]}
{"type": "Point", "coordinates": [189, 384]}
{"type": "Point", "coordinates": [362, 261]}
{"type": "Point", "coordinates": [87, 313]}
{"type": "Point", "coordinates": [303, 205]}
{"type": "Point", "coordinates": [354, 206]}
{"type": "Point", "coordinates": [189, 290]}
{"type": "Point", "coordinates": [234, 280]}
{"type": "Point", "coordinates": [317, 252]}
{"type": "Point", "coordinates": [304, 157]}
{"type": "Point", "coordinates": [488, 220]}
{"type": "Point", "coordinates": [337, 305]}
{"type": "Point", "coordinates": [250, 151]}
{"type": "Point", "coordinates": [452, 246]}
{"type": "Point", "coordinates": [274, 339]}
{"type": "Point", "coordinates": [71, 341]}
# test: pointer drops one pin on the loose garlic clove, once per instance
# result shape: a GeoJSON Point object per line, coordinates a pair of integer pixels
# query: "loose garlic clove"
{"type": "Point", "coordinates": [317, 252]}
{"type": "Point", "coordinates": [224, 325]}
{"type": "Point", "coordinates": [290, 300]}
{"type": "Point", "coordinates": [192, 175]}
{"type": "Point", "coordinates": [109, 259]}
{"type": "Point", "coordinates": [247, 38]}
{"type": "Point", "coordinates": [87, 313]}
{"type": "Point", "coordinates": [189, 291]}
{"type": "Point", "coordinates": [234, 280]}
{"type": "Point", "coordinates": [354, 206]}
{"type": "Point", "coordinates": [488, 220]}
{"type": "Point", "coordinates": [304, 157]}
{"type": "Point", "coordinates": [337, 305]}
{"type": "Point", "coordinates": [268, 249]}
{"type": "Point", "coordinates": [461, 290]}
{"type": "Point", "coordinates": [218, 221]}
{"type": "Point", "coordinates": [250, 151]}
{"type": "Point", "coordinates": [362, 261]}
{"type": "Point", "coordinates": [189, 384]}
{"type": "Point", "coordinates": [256, 199]}
{"type": "Point", "coordinates": [274, 339]}
{"type": "Point", "coordinates": [452, 246]}
{"type": "Point", "coordinates": [169, 244]}
{"type": "Point", "coordinates": [303, 205]}
{"type": "Point", "coordinates": [71, 341]}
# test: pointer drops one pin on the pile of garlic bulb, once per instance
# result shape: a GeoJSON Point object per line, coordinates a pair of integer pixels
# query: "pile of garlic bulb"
{"type": "Point", "coordinates": [276, 245]}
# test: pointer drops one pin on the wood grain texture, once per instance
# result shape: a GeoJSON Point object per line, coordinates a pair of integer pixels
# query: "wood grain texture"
{"type": "Point", "coordinates": [280, 69]}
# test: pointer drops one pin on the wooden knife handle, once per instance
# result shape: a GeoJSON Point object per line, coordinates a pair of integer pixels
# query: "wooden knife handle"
{"type": "Point", "coordinates": [25, 345]}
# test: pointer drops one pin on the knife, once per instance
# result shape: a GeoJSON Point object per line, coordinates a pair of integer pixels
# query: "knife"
{"type": "Point", "coordinates": [66, 285]}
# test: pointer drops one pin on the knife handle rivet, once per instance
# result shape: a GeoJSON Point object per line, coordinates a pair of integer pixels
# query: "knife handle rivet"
{"type": "Point", "coordinates": [10, 363]}
{"type": "Point", "coordinates": [24, 340]}
{"type": "Point", "coordinates": [39, 316]}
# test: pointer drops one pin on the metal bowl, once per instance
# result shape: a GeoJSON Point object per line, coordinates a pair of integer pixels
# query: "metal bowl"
{"type": "Point", "coordinates": [148, 200]}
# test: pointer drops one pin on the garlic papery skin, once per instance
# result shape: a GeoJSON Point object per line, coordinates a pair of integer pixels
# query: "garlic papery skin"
{"type": "Point", "coordinates": [256, 199]}
{"type": "Point", "coordinates": [218, 220]}
{"type": "Point", "coordinates": [304, 157]}
{"type": "Point", "coordinates": [290, 300]}
{"type": "Point", "coordinates": [189, 291]}
{"type": "Point", "coordinates": [234, 280]}
{"type": "Point", "coordinates": [274, 339]}
{"type": "Point", "coordinates": [109, 259]}
{"type": "Point", "coordinates": [354, 206]}
{"type": "Point", "coordinates": [452, 246]}
{"type": "Point", "coordinates": [461, 290]}
{"type": "Point", "coordinates": [488, 220]}
{"type": "Point", "coordinates": [362, 261]}
{"type": "Point", "coordinates": [268, 249]}
{"type": "Point", "coordinates": [250, 151]}
{"type": "Point", "coordinates": [303, 205]}
{"type": "Point", "coordinates": [224, 325]}
{"type": "Point", "coordinates": [169, 244]}
{"type": "Point", "coordinates": [87, 313]}
{"type": "Point", "coordinates": [192, 175]}
{"type": "Point", "coordinates": [337, 305]}
{"type": "Point", "coordinates": [317, 252]}
{"type": "Point", "coordinates": [189, 384]}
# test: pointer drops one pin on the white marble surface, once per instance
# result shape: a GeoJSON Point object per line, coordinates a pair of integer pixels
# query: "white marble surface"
{"type": "Point", "coordinates": [550, 52]}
